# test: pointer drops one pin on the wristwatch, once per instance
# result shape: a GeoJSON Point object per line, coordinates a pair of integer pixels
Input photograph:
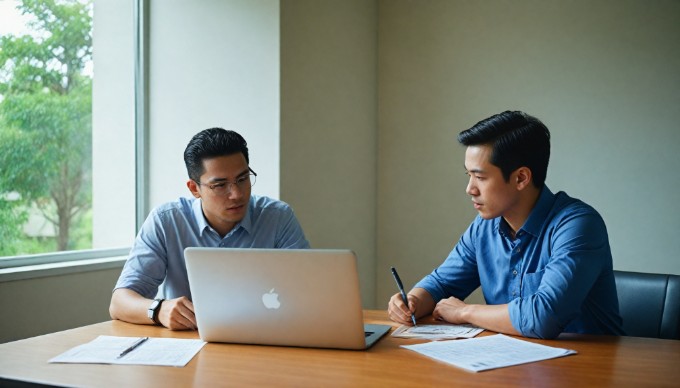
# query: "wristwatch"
{"type": "Point", "coordinates": [153, 310]}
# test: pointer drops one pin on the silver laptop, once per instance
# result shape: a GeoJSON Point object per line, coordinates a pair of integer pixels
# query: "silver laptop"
{"type": "Point", "coordinates": [288, 297]}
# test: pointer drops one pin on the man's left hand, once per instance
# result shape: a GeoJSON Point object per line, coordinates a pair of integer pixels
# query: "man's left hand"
{"type": "Point", "coordinates": [450, 310]}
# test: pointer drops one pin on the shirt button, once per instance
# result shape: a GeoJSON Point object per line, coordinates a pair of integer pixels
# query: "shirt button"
{"type": "Point", "coordinates": [514, 272]}
{"type": "Point", "coordinates": [518, 249]}
{"type": "Point", "coordinates": [513, 293]}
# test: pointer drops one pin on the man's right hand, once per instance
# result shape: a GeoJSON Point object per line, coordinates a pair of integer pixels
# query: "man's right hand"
{"type": "Point", "coordinates": [399, 312]}
{"type": "Point", "coordinates": [178, 314]}
{"type": "Point", "coordinates": [420, 304]}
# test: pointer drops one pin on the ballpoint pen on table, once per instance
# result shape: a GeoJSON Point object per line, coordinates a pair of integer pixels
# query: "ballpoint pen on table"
{"type": "Point", "coordinates": [133, 346]}
{"type": "Point", "coordinates": [401, 290]}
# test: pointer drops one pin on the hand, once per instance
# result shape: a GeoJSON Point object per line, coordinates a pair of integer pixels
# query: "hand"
{"type": "Point", "coordinates": [450, 310]}
{"type": "Point", "coordinates": [177, 314]}
{"type": "Point", "coordinates": [399, 312]}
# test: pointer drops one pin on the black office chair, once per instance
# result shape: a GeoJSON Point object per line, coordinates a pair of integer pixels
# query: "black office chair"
{"type": "Point", "coordinates": [649, 304]}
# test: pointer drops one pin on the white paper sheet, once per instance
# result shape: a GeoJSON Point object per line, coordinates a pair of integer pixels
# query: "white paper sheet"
{"type": "Point", "coordinates": [155, 351]}
{"type": "Point", "coordinates": [437, 332]}
{"type": "Point", "coordinates": [491, 352]}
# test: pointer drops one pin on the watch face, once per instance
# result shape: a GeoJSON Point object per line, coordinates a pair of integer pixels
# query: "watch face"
{"type": "Point", "coordinates": [149, 312]}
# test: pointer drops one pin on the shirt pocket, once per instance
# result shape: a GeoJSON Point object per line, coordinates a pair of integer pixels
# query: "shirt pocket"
{"type": "Point", "coordinates": [530, 283]}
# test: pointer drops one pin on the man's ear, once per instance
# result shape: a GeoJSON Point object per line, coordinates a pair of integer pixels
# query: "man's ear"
{"type": "Point", "coordinates": [193, 187]}
{"type": "Point", "coordinates": [523, 178]}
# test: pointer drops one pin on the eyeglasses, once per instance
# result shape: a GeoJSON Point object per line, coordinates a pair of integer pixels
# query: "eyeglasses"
{"type": "Point", "coordinates": [225, 187]}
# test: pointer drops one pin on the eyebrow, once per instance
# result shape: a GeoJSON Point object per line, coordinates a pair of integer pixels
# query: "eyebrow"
{"type": "Point", "coordinates": [475, 170]}
{"type": "Point", "coordinates": [217, 180]}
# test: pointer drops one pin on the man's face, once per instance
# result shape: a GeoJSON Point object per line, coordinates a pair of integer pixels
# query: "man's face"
{"type": "Point", "coordinates": [223, 211]}
{"type": "Point", "coordinates": [491, 195]}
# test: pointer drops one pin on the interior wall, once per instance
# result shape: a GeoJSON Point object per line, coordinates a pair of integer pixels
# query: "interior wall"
{"type": "Point", "coordinates": [48, 304]}
{"type": "Point", "coordinates": [602, 75]}
{"type": "Point", "coordinates": [212, 64]}
{"type": "Point", "coordinates": [329, 125]}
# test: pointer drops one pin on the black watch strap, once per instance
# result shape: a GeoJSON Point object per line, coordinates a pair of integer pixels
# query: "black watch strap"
{"type": "Point", "coordinates": [154, 309]}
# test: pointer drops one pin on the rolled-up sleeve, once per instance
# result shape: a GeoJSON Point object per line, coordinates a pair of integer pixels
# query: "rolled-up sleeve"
{"type": "Point", "coordinates": [146, 266]}
{"type": "Point", "coordinates": [554, 296]}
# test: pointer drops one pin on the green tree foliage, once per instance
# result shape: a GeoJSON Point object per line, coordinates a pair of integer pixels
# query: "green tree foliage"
{"type": "Point", "coordinates": [46, 116]}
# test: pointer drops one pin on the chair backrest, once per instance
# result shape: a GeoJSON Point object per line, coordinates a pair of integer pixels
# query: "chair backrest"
{"type": "Point", "coordinates": [649, 304]}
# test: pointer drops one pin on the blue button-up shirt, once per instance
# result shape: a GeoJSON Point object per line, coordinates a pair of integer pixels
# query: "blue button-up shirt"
{"type": "Point", "coordinates": [157, 257]}
{"type": "Point", "coordinates": [555, 275]}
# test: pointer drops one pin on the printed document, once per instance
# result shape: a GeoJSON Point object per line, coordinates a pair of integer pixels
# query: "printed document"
{"type": "Point", "coordinates": [491, 352]}
{"type": "Point", "coordinates": [155, 351]}
{"type": "Point", "coordinates": [437, 332]}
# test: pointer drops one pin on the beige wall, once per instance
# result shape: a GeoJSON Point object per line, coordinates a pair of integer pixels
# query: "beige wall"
{"type": "Point", "coordinates": [603, 75]}
{"type": "Point", "coordinates": [329, 125]}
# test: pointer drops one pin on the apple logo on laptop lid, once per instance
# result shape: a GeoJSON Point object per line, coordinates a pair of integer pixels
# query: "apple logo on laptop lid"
{"type": "Point", "coordinates": [271, 300]}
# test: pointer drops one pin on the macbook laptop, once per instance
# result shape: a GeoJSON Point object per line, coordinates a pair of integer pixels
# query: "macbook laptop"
{"type": "Point", "coordinates": [287, 297]}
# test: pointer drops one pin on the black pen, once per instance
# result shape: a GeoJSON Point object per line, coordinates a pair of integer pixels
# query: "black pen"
{"type": "Point", "coordinates": [133, 346]}
{"type": "Point", "coordinates": [403, 294]}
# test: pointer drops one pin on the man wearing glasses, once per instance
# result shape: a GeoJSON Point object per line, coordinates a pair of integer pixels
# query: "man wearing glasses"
{"type": "Point", "coordinates": [222, 213]}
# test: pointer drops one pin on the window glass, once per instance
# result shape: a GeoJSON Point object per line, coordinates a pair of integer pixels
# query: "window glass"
{"type": "Point", "coordinates": [50, 132]}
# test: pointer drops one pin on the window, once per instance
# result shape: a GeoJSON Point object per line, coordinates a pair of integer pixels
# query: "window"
{"type": "Point", "coordinates": [67, 129]}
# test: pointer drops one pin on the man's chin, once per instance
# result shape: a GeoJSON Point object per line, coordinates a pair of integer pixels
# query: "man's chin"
{"type": "Point", "coordinates": [236, 214]}
{"type": "Point", "coordinates": [486, 216]}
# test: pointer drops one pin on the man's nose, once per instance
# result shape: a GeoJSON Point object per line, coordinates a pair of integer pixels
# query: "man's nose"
{"type": "Point", "coordinates": [235, 191]}
{"type": "Point", "coordinates": [470, 189]}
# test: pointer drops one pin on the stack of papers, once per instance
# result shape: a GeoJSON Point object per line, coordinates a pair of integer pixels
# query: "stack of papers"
{"type": "Point", "coordinates": [154, 351]}
{"type": "Point", "coordinates": [437, 332]}
{"type": "Point", "coordinates": [495, 351]}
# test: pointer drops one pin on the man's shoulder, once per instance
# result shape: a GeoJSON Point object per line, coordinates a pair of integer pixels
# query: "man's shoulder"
{"type": "Point", "coordinates": [182, 205]}
{"type": "Point", "coordinates": [576, 218]}
{"type": "Point", "coordinates": [567, 205]}
{"type": "Point", "coordinates": [262, 203]}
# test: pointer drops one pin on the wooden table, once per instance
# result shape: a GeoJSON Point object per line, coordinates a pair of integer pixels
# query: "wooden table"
{"type": "Point", "coordinates": [601, 361]}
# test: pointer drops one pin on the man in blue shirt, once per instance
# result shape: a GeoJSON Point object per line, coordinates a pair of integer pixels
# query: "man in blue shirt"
{"type": "Point", "coordinates": [222, 213]}
{"type": "Point", "coordinates": [542, 259]}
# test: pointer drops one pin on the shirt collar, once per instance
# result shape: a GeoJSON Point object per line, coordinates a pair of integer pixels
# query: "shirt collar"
{"type": "Point", "coordinates": [247, 221]}
{"type": "Point", "coordinates": [536, 218]}
{"type": "Point", "coordinates": [198, 215]}
{"type": "Point", "coordinates": [540, 212]}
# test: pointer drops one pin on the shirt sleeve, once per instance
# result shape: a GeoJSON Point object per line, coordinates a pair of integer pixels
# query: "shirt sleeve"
{"type": "Point", "coordinates": [146, 266]}
{"type": "Point", "coordinates": [457, 276]}
{"type": "Point", "coordinates": [579, 251]}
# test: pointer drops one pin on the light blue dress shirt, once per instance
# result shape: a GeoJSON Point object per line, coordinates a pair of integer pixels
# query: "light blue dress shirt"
{"type": "Point", "coordinates": [556, 275]}
{"type": "Point", "coordinates": [157, 257]}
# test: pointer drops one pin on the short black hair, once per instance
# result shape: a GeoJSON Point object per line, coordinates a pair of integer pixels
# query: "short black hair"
{"type": "Point", "coordinates": [211, 143]}
{"type": "Point", "coordinates": [516, 139]}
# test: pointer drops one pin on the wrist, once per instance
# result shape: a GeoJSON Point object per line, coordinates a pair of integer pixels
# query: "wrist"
{"type": "Point", "coordinates": [467, 312]}
{"type": "Point", "coordinates": [154, 310]}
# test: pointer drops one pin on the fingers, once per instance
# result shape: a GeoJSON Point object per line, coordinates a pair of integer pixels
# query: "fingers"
{"type": "Point", "coordinates": [436, 313]}
{"type": "Point", "coordinates": [179, 314]}
{"type": "Point", "coordinates": [398, 312]}
{"type": "Point", "coordinates": [448, 310]}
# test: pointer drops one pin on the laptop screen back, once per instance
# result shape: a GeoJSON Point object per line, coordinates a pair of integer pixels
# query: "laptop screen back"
{"type": "Point", "coordinates": [306, 298]}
